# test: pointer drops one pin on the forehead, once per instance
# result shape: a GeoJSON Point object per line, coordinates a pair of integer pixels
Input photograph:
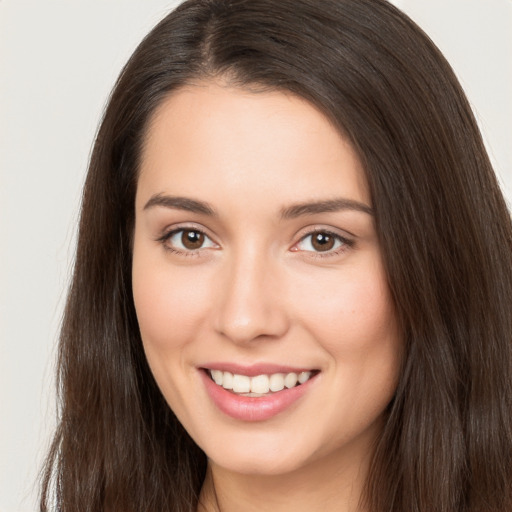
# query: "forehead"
{"type": "Point", "coordinates": [209, 137]}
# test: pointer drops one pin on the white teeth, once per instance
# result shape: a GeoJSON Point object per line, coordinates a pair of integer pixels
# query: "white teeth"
{"type": "Point", "coordinates": [304, 377]}
{"type": "Point", "coordinates": [241, 383]}
{"type": "Point", "coordinates": [227, 381]}
{"type": "Point", "coordinates": [259, 385]}
{"type": "Point", "coordinates": [277, 382]}
{"type": "Point", "coordinates": [290, 380]}
{"type": "Point", "coordinates": [217, 377]}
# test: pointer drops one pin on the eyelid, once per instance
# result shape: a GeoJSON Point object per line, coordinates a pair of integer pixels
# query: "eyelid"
{"type": "Point", "coordinates": [346, 241]}
{"type": "Point", "coordinates": [168, 232]}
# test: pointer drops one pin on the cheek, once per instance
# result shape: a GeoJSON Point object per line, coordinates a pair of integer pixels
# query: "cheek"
{"type": "Point", "coordinates": [170, 307]}
{"type": "Point", "coordinates": [353, 313]}
{"type": "Point", "coordinates": [354, 321]}
{"type": "Point", "coordinates": [356, 325]}
{"type": "Point", "coordinates": [166, 302]}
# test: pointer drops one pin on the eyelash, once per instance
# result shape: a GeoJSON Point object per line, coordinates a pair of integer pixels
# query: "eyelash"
{"type": "Point", "coordinates": [164, 240]}
{"type": "Point", "coordinates": [346, 243]}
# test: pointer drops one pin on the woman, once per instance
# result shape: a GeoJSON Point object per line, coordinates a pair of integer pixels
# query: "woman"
{"type": "Point", "coordinates": [293, 277]}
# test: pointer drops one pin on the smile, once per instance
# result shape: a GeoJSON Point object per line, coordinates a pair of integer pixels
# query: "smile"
{"type": "Point", "coordinates": [266, 392]}
{"type": "Point", "coordinates": [258, 385]}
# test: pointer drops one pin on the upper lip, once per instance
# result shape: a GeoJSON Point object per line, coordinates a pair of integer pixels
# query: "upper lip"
{"type": "Point", "coordinates": [255, 369]}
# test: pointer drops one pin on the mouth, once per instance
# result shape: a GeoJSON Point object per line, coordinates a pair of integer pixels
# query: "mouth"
{"type": "Point", "coordinates": [258, 392]}
{"type": "Point", "coordinates": [258, 386]}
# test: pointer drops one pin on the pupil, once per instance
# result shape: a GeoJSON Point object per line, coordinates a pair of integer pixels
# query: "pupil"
{"type": "Point", "coordinates": [323, 242]}
{"type": "Point", "coordinates": [192, 239]}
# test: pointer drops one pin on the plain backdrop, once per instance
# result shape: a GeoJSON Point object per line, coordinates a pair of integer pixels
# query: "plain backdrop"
{"type": "Point", "coordinates": [58, 62]}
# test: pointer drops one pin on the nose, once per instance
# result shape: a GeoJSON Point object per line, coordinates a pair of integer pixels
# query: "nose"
{"type": "Point", "coordinates": [250, 304]}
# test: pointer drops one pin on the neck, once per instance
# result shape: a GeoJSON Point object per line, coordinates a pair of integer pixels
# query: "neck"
{"type": "Point", "coordinates": [326, 485]}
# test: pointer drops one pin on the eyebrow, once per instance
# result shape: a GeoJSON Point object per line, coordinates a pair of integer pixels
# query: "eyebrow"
{"type": "Point", "coordinates": [331, 205]}
{"type": "Point", "coordinates": [180, 203]}
{"type": "Point", "coordinates": [290, 212]}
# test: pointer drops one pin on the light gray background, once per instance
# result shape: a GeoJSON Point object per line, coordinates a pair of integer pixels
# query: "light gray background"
{"type": "Point", "coordinates": [58, 61]}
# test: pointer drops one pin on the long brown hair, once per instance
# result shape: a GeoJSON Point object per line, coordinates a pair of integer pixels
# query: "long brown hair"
{"type": "Point", "coordinates": [444, 230]}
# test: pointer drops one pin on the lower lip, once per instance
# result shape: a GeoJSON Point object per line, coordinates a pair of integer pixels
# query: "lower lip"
{"type": "Point", "coordinates": [248, 408]}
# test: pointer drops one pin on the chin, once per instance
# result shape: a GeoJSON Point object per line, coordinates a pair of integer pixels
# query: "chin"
{"type": "Point", "coordinates": [259, 464]}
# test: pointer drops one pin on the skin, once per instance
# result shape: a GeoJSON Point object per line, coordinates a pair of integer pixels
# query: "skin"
{"type": "Point", "coordinates": [258, 291]}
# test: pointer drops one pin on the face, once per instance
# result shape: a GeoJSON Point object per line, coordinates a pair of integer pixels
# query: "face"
{"type": "Point", "coordinates": [258, 281]}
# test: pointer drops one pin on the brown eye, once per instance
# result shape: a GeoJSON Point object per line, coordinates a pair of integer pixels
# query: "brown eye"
{"type": "Point", "coordinates": [187, 240]}
{"type": "Point", "coordinates": [322, 241]}
{"type": "Point", "coordinates": [192, 239]}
